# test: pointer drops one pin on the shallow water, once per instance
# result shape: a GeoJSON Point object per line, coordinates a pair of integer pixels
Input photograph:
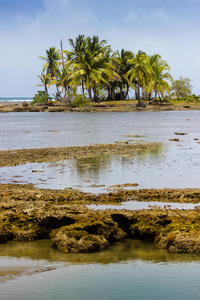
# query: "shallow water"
{"type": "Point", "coordinates": [165, 167]}
{"type": "Point", "coordinates": [128, 269]}
{"type": "Point", "coordinates": [40, 130]}
{"type": "Point", "coordinates": [132, 270]}
{"type": "Point", "coordinates": [135, 205]}
{"type": "Point", "coordinates": [172, 165]}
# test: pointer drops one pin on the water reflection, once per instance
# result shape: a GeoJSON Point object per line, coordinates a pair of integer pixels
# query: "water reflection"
{"type": "Point", "coordinates": [135, 205]}
{"type": "Point", "coordinates": [124, 251]}
{"type": "Point", "coordinates": [163, 167]}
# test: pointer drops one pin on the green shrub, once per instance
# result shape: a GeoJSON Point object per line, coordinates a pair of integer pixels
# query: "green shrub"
{"type": "Point", "coordinates": [79, 101]}
{"type": "Point", "coordinates": [40, 97]}
{"type": "Point", "coordinates": [192, 98]}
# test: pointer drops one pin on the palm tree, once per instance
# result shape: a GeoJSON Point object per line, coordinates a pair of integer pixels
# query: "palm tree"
{"type": "Point", "coordinates": [91, 64]}
{"type": "Point", "coordinates": [64, 82]}
{"type": "Point", "coordinates": [77, 52]}
{"type": "Point", "coordinates": [52, 63]}
{"type": "Point", "coordinates": [46, 82]}
{"type": "Point", "coordinates": [159, 81]}
{"type": "Point", "coordinates": [123, 65]}
{"type": "Point", "coordinates": [139, 72]}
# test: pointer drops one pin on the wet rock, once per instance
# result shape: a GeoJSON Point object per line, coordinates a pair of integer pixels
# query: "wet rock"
{"type": "Point", "coordinates": [174, 140]}
{"type": "Point", "coordinates": [124, 185]}
{"type": "Point", "coordinates": [25, 104]}
{"type": "Point", "coordinates": [78, 242]}
{"type": "Point", "coordinates": [90, 234]}
{"type": "Point", "coordinates": [180, 133]}
{"type": "Point", "coordinates": [180, 242]}
{"type": "Point", "coordinates": [25, 235]}
{"type": "Point", "coordinates": [141, 104]}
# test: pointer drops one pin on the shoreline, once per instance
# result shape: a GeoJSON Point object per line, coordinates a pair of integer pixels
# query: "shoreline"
{"type": "Point", "coordinates": [104, 106]}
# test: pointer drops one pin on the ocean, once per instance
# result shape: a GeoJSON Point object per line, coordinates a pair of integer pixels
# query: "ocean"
{"type": "Point", "coordinates": [15, 99]}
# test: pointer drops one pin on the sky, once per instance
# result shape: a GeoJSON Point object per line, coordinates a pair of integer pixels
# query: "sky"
{"type": "Point", "coordinates": [29, 27]}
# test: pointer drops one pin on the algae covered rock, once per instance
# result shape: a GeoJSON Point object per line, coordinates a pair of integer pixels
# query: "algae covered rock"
{"type": "Point", "coordinates": [78, 241]}
{"type": "Point", "coordinates": [180, 242]}
{"type": "Point", "coordinates": [90, 234]}
{"type": "Point", "coordinates": [149, 224]}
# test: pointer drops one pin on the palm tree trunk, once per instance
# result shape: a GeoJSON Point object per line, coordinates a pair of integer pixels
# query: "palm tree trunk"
{"type": "Point", "coordinates": [83, 90]}
{"type": "Point", "coordinates": [138, 93]}
{"type": "Point", "coordinates": [121, 94]}
{"type": "Point", "coordinates": [95, 93]}
{"type": "Point", "coordinates": [65, 94]}
{"type": "Point", "coordinates": [90, 93]}
{"type": "Point", "coordinates": [46, 91]}
{"type": "Point", "coordinates": [109, 93]}
{"type": "Point", "coordinates": [127, 91]}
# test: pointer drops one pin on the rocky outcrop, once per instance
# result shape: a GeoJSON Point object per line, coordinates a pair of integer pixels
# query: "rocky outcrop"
{"type": "Point", "coordinates": [27, 213]}
{"type": "Point", "coordinates": [91, 233]}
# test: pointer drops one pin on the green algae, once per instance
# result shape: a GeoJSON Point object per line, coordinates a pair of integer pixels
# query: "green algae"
{"type": "Point", "coordinates": [28, 214]}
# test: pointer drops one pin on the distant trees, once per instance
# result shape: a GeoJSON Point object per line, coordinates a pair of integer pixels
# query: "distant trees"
{"type": "Point", "coordinates": [182, 87]}
{"type": "Point", "coordinates": [92, 69]}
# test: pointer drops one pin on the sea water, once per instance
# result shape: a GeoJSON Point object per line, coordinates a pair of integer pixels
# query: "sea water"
{"type": "Point", "coordinates": [15, 99]}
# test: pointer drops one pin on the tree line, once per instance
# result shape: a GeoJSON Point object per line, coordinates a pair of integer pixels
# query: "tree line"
{"type": "Point", "coordinates": [93, 70]}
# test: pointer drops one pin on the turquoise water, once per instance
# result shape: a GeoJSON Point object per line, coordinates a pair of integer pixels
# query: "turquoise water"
{"type": "Point", "coordinates": [15, 99]}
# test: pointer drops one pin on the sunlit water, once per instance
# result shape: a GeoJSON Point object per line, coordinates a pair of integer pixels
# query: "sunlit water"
{"type": "Point", "coordinates": [131, 270]}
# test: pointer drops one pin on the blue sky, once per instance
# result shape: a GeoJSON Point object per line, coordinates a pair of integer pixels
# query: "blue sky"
{"type": "Point", "coordinates": [27, 28]}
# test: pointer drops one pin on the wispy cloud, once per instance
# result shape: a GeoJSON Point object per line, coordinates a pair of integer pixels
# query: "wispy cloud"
{"type": "Point", "coordinates": [158, 15]}
{"type": "Point", "coordinates": [131, 16]}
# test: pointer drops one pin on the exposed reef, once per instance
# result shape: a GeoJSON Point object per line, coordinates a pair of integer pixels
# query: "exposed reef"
{"type": "Point", "coordinates": [23, 156]}
{"type": "Point", "coordinates": [28, 213]}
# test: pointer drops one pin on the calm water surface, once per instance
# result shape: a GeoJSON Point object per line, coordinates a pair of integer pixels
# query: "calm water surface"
{"type": "Point", "coordinates": [39, 130]}
{"type": "Point", "coordinates": [172, 165]}
{"type": "Point", "coordinates": [130, 270]}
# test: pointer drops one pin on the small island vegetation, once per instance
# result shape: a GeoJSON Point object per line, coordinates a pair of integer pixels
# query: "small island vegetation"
{"type": "Point", "coordinates": [91, 72]}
